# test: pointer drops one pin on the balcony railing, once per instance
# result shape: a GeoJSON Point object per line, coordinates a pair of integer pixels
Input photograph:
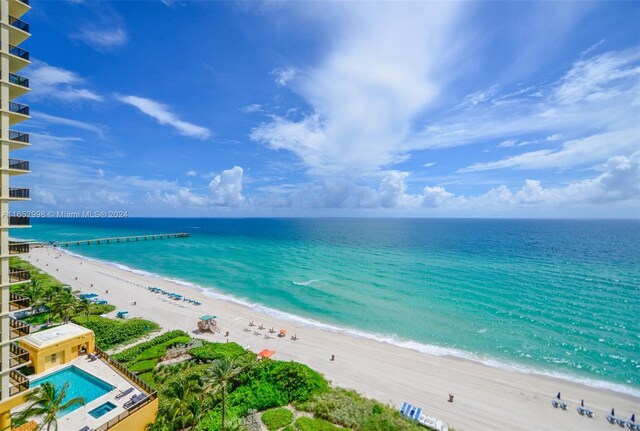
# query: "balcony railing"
{"type": "Point", "coordinates": [19, 80]}
{"type": "Point", "coordinates": [18, 328]}
{"type": "Point", "coordinates": [21, 165]}
{"type": "Point", "coordinates": [18, 108]}
{"type": "Point", "coordinates": [18, 193]}
{"type": "Point", "coordinates": [19, 52]}
{"type": "Point", "coordinates": [18, 356]}
{"type": "Point", "coordinates": [19, 221]}
{"type": "Point", "coordinates": [25, 2]}
{"type": "Point", "coordinates": [19, 383]}
{"type": "Point", "coordinates": [18, 302]}
{"type": "Point", "coordinates": [18, 247]}
{"type": "Point", "coordinates": [19, 24]}
{"type": "Point", "coordinates": [17, 275]}
{"type": "Point", "coordinates": [19, 136]}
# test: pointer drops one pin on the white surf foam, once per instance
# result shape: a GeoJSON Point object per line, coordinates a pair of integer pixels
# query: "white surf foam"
{"type": "Point", "coordinates": [304, 283]}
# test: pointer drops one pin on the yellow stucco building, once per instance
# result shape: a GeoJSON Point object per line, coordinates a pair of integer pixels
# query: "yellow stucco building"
{"type": "Point", "coordinates": [57, 346]}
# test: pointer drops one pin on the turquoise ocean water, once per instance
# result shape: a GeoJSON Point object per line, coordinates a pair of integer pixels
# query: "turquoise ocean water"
{"type": "Point", "coordinates": [557, 297]}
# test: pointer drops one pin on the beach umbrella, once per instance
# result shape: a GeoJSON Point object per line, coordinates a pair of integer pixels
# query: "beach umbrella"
{"type": "Point", "coordinates": [558, 396]}
{"type": "Point", "coordinates": [266, 353]}
{"type": "Point", "coordinates": [633, 417]}
{"type": "Point", "coordinates": [581, 403]}
{"type": "Point", "coordinates": [613, 412]}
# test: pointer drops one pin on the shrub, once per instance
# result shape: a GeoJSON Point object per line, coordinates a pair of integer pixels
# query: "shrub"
{"type": "Point", "coordinates": [98, 309]}
{"type": "Point", "coordinates": [132, 352]}
{"type": "Point", "coordinates": [111, 332]}
{"type": "Point", "coordinates": [277, 418]}
{"type": "Point", "coordinates": [160, 350]}
{"type": "Point", "coordinates": [296, 380]}
{"type": "Point", "coordinates": [289, 428]}
{"type": "Point", "coordinates": [310, 424]}
{"type": "Point", "coordinates": [352, 410]}
{"type": "Point", "coordinates": [148, 378]}
{"type": "Point", "coordinates": [143, 366]}
{"type": "Point", "coordinates": [212, 351]}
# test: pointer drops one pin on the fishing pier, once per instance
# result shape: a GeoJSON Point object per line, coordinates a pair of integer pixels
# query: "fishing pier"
{"type": "Point", "coordinates": [119, 239]}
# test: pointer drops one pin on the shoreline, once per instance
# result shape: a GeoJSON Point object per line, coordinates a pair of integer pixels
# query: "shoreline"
{"type": "Point", "coordinates": [417, 346]}
{"type": "Point", "coordinates": [421, 378]}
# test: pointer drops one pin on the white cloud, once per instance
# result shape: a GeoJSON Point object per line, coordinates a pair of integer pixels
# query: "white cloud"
{"type": "Point", "coordinates": [428, 165]}
{"type": "Point", "coordinates": [164, 116]}
{"type": "Point", "coordinates": [250, 109]}
{"type": "Point", "coordinates": [283, 75]}
{"type": "Point", "coordinates": [227, 187]}
{"type": "Point", "coordinates": [382, 72]}
{"type": "Point", "coordinates": [191, 173]}
{"type": "Point", "coordinates": [579, 151]}
{"type": "Point", "coordinates": [54, 82]}
{"type": "Point", "coordinates": [95, 128]}
{"type": "Point", "coordinates": [44, 197]}
{"type": "Point", "coordinates": [102, 39]}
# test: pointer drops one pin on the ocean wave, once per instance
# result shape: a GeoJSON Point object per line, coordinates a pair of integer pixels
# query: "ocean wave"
{"type": "Point", "coordinates": [429, 349]}
{"type": "Point", "coordinates": [304, 283]}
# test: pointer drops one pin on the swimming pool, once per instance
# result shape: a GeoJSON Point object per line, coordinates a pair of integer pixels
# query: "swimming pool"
{"type": "Point", "coordinates": [81, 384]}
{"type": "Point", "coordinates": [102, 409]}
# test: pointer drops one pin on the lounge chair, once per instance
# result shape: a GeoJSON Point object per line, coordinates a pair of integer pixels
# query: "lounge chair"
{"type": "Point", "coordinates": [612, 417]}
{"type": "Point", "coordinates": [621, 422]}
{"type": "Point", "coordinates": [85, 428]}
{"type": "Point", "coordinates": [557, 402]}
{"type": "Point", "coordinates": [131, 402]}
{"type": "Point", "coordinates": [631, 424]}
{"type": "Point", "coordinates": [124, 393]}
{"type": "Point", "coordinates": [405, 407]}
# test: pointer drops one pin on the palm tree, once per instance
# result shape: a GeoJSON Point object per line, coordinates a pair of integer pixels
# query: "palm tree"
{"type": "Point", "coordinates": [84, 306]}
{"type": "Point", "coordinates": [63, 304]}
{"type": "Point", "coordinates": [217, 378]}
{"type": "Point", "coordinates": [47, 403]}
{"type": "Point", "coordinates": [35, 293]}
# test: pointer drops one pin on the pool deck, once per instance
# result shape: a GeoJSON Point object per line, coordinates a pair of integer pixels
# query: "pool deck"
{"type": "Point", "coordinates": [80, 417]}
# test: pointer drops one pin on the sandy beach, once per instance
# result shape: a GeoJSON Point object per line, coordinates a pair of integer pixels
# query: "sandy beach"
{"type": "Point", "coordinates": [486, 398]}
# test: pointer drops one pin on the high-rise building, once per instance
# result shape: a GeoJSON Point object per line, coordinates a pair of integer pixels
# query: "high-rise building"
{"type": "Point", "coordinates": [13, 32]}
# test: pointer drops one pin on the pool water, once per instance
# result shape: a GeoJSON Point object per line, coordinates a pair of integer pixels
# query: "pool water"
{"type": "Point", "coordinates": [81, 384]}
{"type": "Point", "coordinates": [102, 409]}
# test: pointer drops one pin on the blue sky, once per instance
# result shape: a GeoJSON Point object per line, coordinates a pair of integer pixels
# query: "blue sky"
{"type": "Point", "coordinates": [473, 109]}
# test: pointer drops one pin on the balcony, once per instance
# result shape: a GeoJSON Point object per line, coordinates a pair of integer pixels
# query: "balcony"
{"type": "Point", "coordinates": [17, 356]}
{"type": "Point", "coordinates": [17, 275]}
{"type": "Point", "coordinates": [18, 247]}
{"type": "Point", "coordinates": [19, 52]}
{"type": "Point", "coordinates": [19, 87]}
{"type": "Point", "coordinates": [18, 165]}
{"type": "Point", "coordinates": [19, 136]}
{"type": "Point", "coordinates": [18, 328]}
{"type": "Point", "coordinates": [18, 302]}
{"type": "Point", "coordinates": [17, 112]}
{"type": "Point", "coordinates": [19, 24]}
{"type": "Point", "coordinates": [19, 221]}
{"type": "Point", "coordinates": [17, 194]}
{"type": "Point", "coordinates": [17, 8]}
{"type": "Point", "coordinates": [19, 80]}
{"type": "Point", "coordinates": [18, 382]}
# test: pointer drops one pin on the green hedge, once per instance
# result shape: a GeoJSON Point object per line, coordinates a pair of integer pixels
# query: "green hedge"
{"type": "Point", "coordinates": [277, 418]}
{"type": "Point", "coordinates": [132, 353]}
{"type": "Point", "coordinates": [143, 366]}
{"type": "Point", "coordinates": [111, 332]}
{"type": "Point", "coordinates": [310, 424]}
{"type": "Point", "coordinates": [350, 409]}
{"type": "Point", "coordinates": [160, 350]}
{"type": "Point", "coordinates": [289, 428]}
{"type": "Point", "coordinates": [213, 351]}
{"type": "Point", "coordinates": [98, 309]}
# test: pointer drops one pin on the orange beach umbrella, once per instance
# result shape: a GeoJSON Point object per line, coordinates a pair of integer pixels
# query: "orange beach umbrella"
{"type": "Point", "coordinates": [283, 331]}
{"type": "Point", "coordinates": [266, 353]}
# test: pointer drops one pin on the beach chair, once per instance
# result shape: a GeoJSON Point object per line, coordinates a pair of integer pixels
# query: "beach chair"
{"type": "Point", "coordinates": [132, 401]}
{"type": "Point", "coordinates": [417, 414]}
{"type": "Point", "coordinates": [558, 403]}
{"type": "Point", "coordinates": [631, 423]}
{"type": "Point", "coordinates": [405, 407]}
{"type": "Point", "coordinates": [612, 417]}
{"type": "Point", "coordinates": [85, 428]}
{"type": "Point", "coordinates": [124, 393]}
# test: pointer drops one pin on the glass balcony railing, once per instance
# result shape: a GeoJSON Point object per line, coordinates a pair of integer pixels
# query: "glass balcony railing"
{"type": "Point", "coordinates": [18, 355]}
{"type": "Point", "coordinates": [19, 24]}
{"type": "Point", "coordinates": [19, 52]}
{"type": "Point", "coordinates": [18, 108]}
{"type": "Point", "coordinates": [18, 247]}
{"type": "Point", "coordinates": [21, 165]}
{"type": "Point", "coordinates": [18, 302]}
{"type": "Point", "coordinates": [19, 80]}
{"type": "Point", "coordinates": [17, 275]}
{"type": "Point", "coordinates": [18, 193]}
{"type": "Point", "coordinates": [25, 2]}
{"type": "Point", "coordinates": [19, 383]}
{"type": "Point", "coordinates": [19, 221]}
{"type": "Point", "coordinates": [19, 136]}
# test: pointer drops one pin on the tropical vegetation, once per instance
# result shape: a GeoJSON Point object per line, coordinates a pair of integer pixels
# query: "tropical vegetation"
{"type": "Point", "coordinates": [46, 403]}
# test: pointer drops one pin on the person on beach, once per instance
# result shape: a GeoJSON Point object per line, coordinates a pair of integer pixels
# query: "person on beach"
{"type": "Point", "coordinates": [333, 357]}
